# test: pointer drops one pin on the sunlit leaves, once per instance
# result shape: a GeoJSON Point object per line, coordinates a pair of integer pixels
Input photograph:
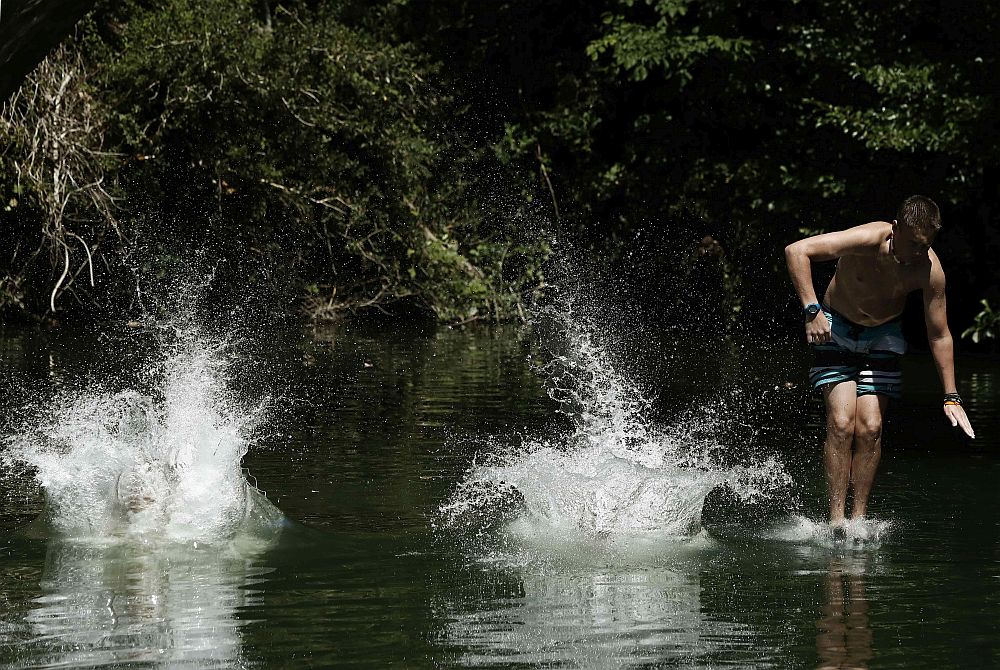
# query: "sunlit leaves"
{"type": "Point", "coordinates": [638, 50]}
{"type": "Point", "coordinates": [917, 109]}
{"type": "Point", "coordinates": [986, 325]}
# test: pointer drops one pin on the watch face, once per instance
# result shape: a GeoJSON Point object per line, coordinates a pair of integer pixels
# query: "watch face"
{"type": "Point", "coordinates": [812, 310]}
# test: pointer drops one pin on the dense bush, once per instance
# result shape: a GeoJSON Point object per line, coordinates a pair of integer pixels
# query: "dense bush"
{"type": "Point", "coordinates": [386, 152]}
{"type": "Point", "coordinates": [309, 146]}
{"type": "Point", "coordinates": [732, 128]}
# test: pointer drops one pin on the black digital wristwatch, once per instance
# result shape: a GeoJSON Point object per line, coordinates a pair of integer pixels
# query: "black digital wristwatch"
{"type": "Point", "coordinates": [810, 311]}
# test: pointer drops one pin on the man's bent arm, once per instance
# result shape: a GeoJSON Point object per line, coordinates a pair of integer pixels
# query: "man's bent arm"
{"type": "Point", "coordinates": [800, 270]}
{"type": "Point", "coordinates": [859, 240]}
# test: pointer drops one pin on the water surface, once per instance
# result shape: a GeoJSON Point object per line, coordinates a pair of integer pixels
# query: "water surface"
{"type": "Point", "coordinates": [377, 428]}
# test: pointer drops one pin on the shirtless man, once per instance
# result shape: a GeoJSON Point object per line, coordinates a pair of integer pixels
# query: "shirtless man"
{"type": "Point", "coordinates": [857, 338]}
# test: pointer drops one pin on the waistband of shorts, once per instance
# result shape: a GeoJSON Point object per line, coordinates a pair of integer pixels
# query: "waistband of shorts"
{"type": "Point", "coordinates": [831, 310]}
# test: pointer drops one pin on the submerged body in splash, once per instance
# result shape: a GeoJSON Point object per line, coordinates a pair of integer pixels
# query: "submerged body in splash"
{"type": "Point", "coordinates": [617, 473]}
{"type": "Point", "coordinates": [594, 492]}
{"type": "Point", "coordinates": [164, 465]}
{"type": "Point", "coordinates": [597, 493]}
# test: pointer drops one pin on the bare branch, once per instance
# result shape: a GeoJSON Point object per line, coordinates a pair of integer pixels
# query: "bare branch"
{"type": "Point", "coordinates": [52, 135]}
{"type": "Point", "coordinates": [62, 278]}
{"type": "Point", "coordinates": [90, 259]}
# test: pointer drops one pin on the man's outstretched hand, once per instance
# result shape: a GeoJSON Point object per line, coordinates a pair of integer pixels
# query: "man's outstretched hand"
{"type": "Point", "coordinates": [956, 415]}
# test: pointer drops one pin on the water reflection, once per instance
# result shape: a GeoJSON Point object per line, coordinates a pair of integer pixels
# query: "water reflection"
{"type": "Point", "coordinates": [844, 639]}
{"type": "Point", "coordinates": [600, 618]}
{"type": "Point", "coordinates": [106, 604]}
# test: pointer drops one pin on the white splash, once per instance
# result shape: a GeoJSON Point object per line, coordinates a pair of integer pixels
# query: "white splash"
{"type": "Point", "coordinates": [616, 473]}
{"type": "Point", "coordinates": [162, 465]}
{"type": "Point", "coordinates": [867, 532]}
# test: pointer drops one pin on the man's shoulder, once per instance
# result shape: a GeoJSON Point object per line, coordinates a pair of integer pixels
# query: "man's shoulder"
{"type": "Point", "coordinates": [934, 271]}
{"type": "Point", "coordinates": [865, 238]}
{"type": "Point", "coordinates": [875, 228]}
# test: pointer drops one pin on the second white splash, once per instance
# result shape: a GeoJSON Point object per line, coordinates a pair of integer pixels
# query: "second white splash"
{"type": "Point", "coordinates": [616, 473]}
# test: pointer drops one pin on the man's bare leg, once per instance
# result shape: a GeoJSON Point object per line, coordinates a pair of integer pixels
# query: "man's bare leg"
{"type": "Point", "coordinates": [867, 449]}
{"type": "Point", "coordinates": [841, 406]}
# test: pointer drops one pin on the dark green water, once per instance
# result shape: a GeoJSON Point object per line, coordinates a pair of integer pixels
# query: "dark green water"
{"type": "Point", "coordinates": [376, 430]}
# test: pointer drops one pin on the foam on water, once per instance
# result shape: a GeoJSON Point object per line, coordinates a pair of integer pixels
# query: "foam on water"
{"type": "Point", "coordinates": [616, 475]}
{"type": "Point", "coordinates": [803, 530]}
{"type": "Point", "coordinates": [163, 463]}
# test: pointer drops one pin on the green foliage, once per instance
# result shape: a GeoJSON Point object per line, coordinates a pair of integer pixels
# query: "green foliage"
{"type": "Point", "coordinates": [922, 109]}
{"type": "Point", "coordinates": [744, 122]}
{"type": "Point", "coordinates": [307, 144]}
{"type": "Point", "coordinates": [637, 50]}
{"type": "Point", "coordinates": [358, 149]}
{"type": "Point", "coordinates": [986, 325]}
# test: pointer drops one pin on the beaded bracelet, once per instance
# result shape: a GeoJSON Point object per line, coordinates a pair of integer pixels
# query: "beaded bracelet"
{"type": "Point", "coordinates": [952, 399]}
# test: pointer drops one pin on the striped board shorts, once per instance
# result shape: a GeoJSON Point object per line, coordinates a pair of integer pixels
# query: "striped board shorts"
{"type": "Point", "coordinates": [868, 355]}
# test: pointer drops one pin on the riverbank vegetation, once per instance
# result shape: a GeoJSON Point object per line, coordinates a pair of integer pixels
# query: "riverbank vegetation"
{"type": "Point", "coordinates": [420, 156]}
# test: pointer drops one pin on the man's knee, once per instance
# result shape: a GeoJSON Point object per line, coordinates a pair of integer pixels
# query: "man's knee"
{"type": "Point", "coordinates": [840, 427]}
{"type": "Point", "coordinates": [868, 427]}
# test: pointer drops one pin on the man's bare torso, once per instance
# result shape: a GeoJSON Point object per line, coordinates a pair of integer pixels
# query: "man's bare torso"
{"type": "Point", "coordinates": [871, 289]}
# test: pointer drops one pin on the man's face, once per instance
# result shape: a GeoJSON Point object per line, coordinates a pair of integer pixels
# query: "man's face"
{"type": "Point", "coordinates": [907, 247]}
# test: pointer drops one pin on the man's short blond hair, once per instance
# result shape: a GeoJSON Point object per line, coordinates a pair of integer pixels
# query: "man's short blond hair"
{"type": "Point", "coordinates": [921, 215]}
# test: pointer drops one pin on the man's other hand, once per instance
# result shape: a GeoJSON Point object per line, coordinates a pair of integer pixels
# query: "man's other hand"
{"type": "Point", "coordinates": [818, 329]}
{"type": "Point", "coordinates": [956, 415]}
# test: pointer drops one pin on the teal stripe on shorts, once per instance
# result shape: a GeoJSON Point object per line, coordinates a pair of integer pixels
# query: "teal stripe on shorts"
{"type": "Point", "coordinates": [867, 355]}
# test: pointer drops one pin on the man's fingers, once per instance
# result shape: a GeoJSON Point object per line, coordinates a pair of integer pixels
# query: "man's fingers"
{"type": "Point", "coordinates": [818, 338]}
{"type": "Point", "coordinates": [951, 415]}
{"type": "Point", "coordinates": [958, 418]}
{"type": "Point", "coordinates": [967, 426]}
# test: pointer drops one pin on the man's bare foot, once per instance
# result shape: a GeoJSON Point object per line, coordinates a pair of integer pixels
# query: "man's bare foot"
{"type": "Point", "coordinates": [839, 530]}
